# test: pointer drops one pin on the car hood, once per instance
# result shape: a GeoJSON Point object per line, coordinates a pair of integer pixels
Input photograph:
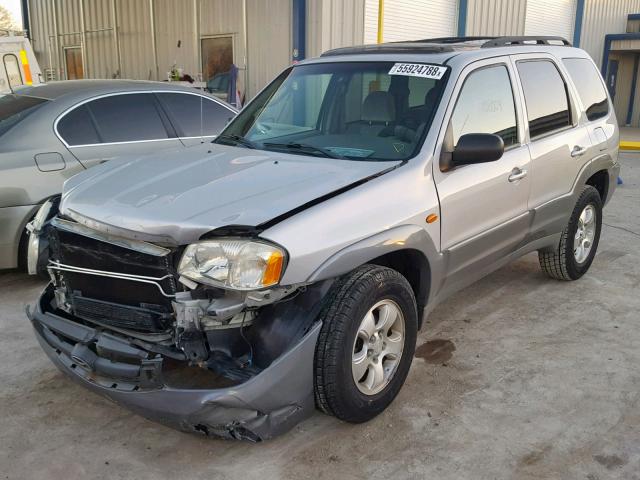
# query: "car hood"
{"type": "Point", "coordinates": [175, 198]}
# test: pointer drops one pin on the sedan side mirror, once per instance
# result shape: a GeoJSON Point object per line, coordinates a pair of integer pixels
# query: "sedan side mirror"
{"type": "Point", "coordinates": [477, 148]}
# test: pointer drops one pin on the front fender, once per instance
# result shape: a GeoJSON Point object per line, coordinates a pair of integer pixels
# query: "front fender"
{"type": "Point", "coordinates": [403, 237]}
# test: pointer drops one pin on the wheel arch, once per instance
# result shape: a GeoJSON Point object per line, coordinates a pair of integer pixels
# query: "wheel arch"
{"type": "Point", "coordinates": [600, 181]}
{"type": "Point", "coordinates": [407, 249]}
{"type": "Point", "coordinates": [414, 266]}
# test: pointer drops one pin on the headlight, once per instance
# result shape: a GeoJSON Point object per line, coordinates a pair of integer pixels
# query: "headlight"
{"type": "Point", "coordinates": [238, 264]}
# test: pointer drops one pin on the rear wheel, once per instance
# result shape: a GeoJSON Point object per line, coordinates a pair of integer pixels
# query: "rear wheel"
{"type": "Point", "coordinates": [366, 344]}
{"type": "Point", "coordinates": [579, 241]}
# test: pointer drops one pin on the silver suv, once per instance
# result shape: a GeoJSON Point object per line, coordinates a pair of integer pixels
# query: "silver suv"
{"type": "Point", "coordinates": [289, 265]}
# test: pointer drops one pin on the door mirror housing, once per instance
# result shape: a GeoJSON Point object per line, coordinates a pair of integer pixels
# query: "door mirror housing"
{"type": "Point", "coordinates": [477, 148]}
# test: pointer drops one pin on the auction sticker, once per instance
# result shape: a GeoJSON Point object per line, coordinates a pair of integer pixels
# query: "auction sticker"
{"type": "Point", "coordinates": [418, 70]}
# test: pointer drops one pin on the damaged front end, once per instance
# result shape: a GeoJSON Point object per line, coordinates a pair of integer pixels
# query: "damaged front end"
{"type": "Point", "coordinates": [119, 318]}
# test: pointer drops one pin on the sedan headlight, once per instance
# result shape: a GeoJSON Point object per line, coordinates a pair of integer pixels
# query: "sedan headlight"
{"type": "Point", "coordinates": [237, 264]}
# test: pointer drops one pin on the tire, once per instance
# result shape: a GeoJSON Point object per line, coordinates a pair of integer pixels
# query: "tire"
{"type": "Point", "coordinates": [562, 263]}
{"type": "Point", "coordinates": [352, 297]}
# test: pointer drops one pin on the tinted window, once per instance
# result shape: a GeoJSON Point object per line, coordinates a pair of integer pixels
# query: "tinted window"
{"type": "Point", "coordinates": [76, 127]}
{"type": "Point", "coordinates": [127, 118]}
{"type": "Point", "coordinates": [14, 108]}
{"type": "Point", "coordinates": [589, 85]}
{"type": "Point", "coordinates": [485, 105]}
{"type": "Point", "coordinates": [545, 95]}
{"type": "Point", "coordinates": [185, 111]}
{"type": "Point", "coordinates": [214, 117]}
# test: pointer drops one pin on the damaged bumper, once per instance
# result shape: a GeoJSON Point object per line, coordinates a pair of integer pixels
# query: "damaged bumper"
{"type": "Point", "coordinates": [264, 406]}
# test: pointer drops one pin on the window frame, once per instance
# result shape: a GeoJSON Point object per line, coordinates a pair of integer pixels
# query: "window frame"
{"type": "Point", "coordinates": [574, 113]}
{"type": "Point", "coordinates": [132, 92]}
{"type": "Point", "coordinates": [517, 112]}
{"type": "Point", "coordinates": [583, 109]}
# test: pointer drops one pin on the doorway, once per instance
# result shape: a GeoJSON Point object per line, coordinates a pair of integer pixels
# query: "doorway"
{"type": "Point", "coordinates": [73, 63]}
{"type": "Point", "coordinates": [217, 59]}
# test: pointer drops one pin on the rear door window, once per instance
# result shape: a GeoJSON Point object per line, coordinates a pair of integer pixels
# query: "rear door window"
{"type": "Point", "coordinates": [194, 115]}
{"type": "Point", "coordinates": [77, 128]}
{"type": "Point", "coordinates": [545, 95]}
{"type": "Point", "coordinates": [590, 88]}
{"type": "Point", "coordinates": [128, 118]}
{"type": "Point", "coordinates": [14, 108]}
{"type": "Point", "coordinates": [486, 105]}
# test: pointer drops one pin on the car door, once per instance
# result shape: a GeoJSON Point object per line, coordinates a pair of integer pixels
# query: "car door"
{"type": "Point", "coordinates": [196, 118]}
{"type": "Point", "coordinates": [560, 147]}
{"type": "Point", "coordinates": [483, 207]}
{"type": "Point", "coordinates": [131, 123]}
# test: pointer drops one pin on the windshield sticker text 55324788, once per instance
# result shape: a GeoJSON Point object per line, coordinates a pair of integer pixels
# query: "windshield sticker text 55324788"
{"type": "Point", "coordinates": [418, 70]}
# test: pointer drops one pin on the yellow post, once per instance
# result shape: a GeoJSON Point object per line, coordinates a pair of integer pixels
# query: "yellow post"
{"type": "Point", "coordinates": [380, 19]}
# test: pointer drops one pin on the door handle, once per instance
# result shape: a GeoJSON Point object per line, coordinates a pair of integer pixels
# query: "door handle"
{"type": "Point", "coordinates": [517, 174]}
{"type": "Point", "coordinates": [578, 151]}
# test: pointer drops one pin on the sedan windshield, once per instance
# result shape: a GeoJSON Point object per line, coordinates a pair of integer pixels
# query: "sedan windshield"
{"type": "Point", "coordinates": [356, 111]}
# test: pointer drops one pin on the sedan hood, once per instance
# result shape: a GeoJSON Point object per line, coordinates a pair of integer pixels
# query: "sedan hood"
{"type": "Point", "coordinates": [177, 197]}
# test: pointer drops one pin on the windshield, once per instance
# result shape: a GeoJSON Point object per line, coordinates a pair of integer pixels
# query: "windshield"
{"type": "Point", "coordinates": [358, 110]}
{"type": "Point", "coordinates": [13, 108]}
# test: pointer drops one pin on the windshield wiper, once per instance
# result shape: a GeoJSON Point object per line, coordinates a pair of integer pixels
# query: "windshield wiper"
{"type": "Point", "coordinates": [305, 148]}
{"type": "Point", "coordinates": [236, 140]}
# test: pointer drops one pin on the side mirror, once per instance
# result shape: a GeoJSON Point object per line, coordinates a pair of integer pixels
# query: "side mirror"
{"type": "Point", "coordinates": [477, 148]}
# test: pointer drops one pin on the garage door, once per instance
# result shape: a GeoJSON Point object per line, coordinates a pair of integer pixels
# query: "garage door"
{"type": "Point", "coordinates": [411, 19]}
{"type": "Point", "coordinates": [550, 17]}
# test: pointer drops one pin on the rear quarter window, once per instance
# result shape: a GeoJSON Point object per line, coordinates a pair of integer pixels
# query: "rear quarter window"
{"type": "Point", "coordinates": [589, 85]}
{"type": "Point", "coordinates": [15, 108]}
{"type": "Point", "coordinates": [545, 95]}
{"type": "Point", "coordinates": [77, 128]}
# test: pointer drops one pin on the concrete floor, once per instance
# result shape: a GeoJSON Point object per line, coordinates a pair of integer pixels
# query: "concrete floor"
{"type": "Point", "coordinates": [517, 377]}
{"type": "Point", "coordinates": [629, 134]}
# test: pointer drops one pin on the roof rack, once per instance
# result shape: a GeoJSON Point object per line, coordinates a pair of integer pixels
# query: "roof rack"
{"type": "Point", "coordinates": [382, 48]}
{"type": "Point", "coordinates": [520, 41]}
{"type": "Point", "coordinates": [453, 39]}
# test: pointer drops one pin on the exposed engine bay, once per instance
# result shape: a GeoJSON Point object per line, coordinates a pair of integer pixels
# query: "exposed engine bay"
{"type": "Point", "coordinates": [118, 314]}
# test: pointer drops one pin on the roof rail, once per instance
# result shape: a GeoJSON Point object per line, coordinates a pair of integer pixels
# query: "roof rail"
{"type": "Point", "coordinates": [395, 47]}
{"type": "Point", "coordinates": [452, 39]}
{"type": "Point", "coordinates": [530, 40]}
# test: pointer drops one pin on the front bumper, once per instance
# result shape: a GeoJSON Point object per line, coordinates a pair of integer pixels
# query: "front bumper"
{"type": "Point", "coordinates": [267, 405]}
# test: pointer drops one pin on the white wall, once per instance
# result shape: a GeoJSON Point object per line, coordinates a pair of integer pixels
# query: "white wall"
{"type": "Point", "coordinates": [550, 17]}
{"type": "Point", "coordinates": [411, 19]}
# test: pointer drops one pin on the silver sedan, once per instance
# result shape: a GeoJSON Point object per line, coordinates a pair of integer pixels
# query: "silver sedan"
{"type": "Point", "coordinates": [50, 132]}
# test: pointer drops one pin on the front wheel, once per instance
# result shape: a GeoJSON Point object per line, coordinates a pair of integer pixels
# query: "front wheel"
{"type": "Point", "coordinates": [579, 241]}
{"type": "Point", "coordinates": [366, 343]}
